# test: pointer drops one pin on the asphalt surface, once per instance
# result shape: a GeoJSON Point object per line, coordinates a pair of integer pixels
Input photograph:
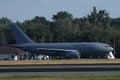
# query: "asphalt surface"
{"type": "Point", "coordinates": [60, 69]}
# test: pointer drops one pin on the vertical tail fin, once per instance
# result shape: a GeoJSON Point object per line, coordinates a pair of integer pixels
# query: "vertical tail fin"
{"type": "Point", "coordinates": [19, 35]}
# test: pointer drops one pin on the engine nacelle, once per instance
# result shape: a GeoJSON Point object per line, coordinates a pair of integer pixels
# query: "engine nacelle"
{"type": "Point", "coordinates": [72, 54]}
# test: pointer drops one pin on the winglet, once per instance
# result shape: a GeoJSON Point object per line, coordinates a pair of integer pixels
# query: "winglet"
{"type": "Point", "coordinates": [19, 35]}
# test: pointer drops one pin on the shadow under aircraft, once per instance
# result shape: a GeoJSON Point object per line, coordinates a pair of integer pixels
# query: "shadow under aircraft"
{"type": "Point", "coordinates": [63, 50]}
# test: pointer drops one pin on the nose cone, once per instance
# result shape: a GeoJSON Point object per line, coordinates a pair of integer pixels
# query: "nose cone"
{"type": "Point", "coordinates": [106, 48]}
{"type": "Point", "coordinates": [111, 49]}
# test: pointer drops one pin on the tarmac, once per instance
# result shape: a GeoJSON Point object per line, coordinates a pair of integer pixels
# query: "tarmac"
{"type": "Point", "coordinates": [61, 69]}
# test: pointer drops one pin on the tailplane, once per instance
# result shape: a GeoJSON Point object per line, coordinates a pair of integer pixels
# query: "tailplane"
{"type": "Point", "coordinates": [19, 35]}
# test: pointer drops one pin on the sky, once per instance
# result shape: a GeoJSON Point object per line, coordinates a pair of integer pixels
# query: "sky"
{"type": "Point", "coordinates": [21, 10]}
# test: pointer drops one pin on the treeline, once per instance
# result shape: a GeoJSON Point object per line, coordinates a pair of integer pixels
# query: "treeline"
{"type": "Point", "coordinates": [97, 26]}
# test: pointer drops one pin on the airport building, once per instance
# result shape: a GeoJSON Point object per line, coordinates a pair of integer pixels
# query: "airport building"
{"type": "Point", "coordinates": [11, 53]}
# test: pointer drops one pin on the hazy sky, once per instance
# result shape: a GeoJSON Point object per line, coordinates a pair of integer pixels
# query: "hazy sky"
{"type": "Point", "coordinates": [27, 9]}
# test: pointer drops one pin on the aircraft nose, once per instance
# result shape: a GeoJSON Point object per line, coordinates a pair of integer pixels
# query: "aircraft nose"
{"type": "Point", "coordinates": [111, 48]}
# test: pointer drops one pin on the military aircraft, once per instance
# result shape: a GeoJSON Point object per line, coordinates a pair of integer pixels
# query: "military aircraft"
{"type": "Point", "coordinates": [63, 50]}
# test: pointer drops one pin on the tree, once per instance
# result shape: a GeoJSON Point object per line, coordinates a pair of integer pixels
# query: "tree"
{"type": "Point", "coordinates": [93, 17]}
{"type": "Point", "coordinates": [37, 29]}
{"type": "Point", "coordinates": [100, 18]}
{"type": "Point", "coordinates": [115, 23]}
{"type": "Point", "coordinates": [62, 15]}
{"type": "Point", "coordinates": [103, 19]}
{"type": "Point", "coordinates": [5, 21]}
{"type": "Point", "coordinates": [62, 26]}
{"type": "Point", "coordinates": [2, 36]}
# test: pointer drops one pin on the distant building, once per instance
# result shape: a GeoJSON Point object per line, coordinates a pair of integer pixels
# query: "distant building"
{"type": "Point", "coordinates": [11, 53]}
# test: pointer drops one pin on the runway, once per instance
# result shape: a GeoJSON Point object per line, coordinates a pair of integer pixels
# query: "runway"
{"type": "Point", "coordinates": [61, 69]}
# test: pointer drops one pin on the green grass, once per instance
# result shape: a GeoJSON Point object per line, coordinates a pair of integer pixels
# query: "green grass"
{"type": "Point", "coordinates": [61, 77]}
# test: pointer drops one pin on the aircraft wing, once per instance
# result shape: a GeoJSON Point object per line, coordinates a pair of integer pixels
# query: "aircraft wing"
{"type": "Point", "coordinates": [60, 52]}
{"type": "Point", "coordinates": [52, 49]}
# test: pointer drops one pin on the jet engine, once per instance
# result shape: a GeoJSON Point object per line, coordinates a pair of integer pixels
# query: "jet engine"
{"type": "Point", "coordinates": [72, 54]}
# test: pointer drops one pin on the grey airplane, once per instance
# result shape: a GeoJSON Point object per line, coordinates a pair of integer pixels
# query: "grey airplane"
{"type": "Point", "coordinates": [63, 50]}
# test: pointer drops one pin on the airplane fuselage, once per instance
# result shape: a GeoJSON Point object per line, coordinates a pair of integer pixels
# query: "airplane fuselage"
{"type": "Point", "coordinates": [85, 49]}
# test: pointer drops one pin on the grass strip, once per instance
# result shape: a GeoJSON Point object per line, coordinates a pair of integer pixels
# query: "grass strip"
{"type": "Point", "coordinates": [61, 77]}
